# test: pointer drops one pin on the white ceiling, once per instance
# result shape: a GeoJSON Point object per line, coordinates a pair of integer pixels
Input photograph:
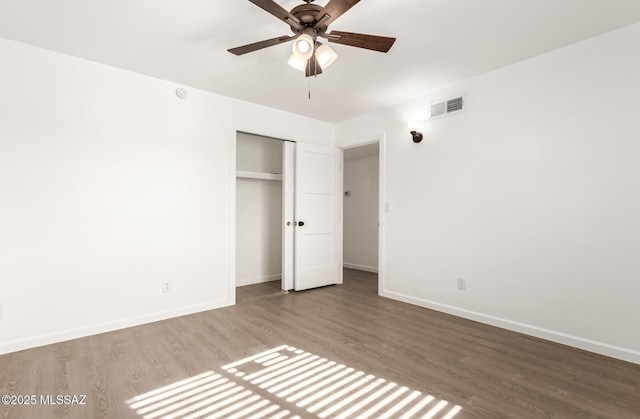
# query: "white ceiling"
{"type": "Point", "coordinates": [439, 42]}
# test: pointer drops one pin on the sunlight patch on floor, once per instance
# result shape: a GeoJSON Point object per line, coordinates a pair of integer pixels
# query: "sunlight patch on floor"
{"type": "Point", "coordinates": [287, 382]}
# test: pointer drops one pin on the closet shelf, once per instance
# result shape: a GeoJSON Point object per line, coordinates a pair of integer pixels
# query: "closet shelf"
{"type": "Point", "coordinates": [258, 175]}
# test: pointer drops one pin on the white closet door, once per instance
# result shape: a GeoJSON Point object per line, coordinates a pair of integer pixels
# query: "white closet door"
{"type": "Point", "coordinates": [318, 200]}
{"type": "Point", "coordinates": [288, 182]}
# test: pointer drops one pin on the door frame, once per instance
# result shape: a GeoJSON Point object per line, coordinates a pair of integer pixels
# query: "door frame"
{"type": "Point", "coordinates": [231, 263]}
{"type": "Point", "coordinates": [382, 197]}
{"type": "Point", "coordinates": [381, 141]}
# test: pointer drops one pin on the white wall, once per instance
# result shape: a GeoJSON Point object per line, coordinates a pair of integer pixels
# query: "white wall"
{"type": "Point", "coordinates": [258, 211]}
{"type": "Point", "coordinates": [361, 213]}
{"type": "Point", "coordinates": [532, 195]}
{"type": "Point", "coordinates": [109, 185]}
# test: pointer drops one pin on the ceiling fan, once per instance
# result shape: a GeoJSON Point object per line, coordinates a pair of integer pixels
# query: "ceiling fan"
{"type": "Point", "coordinates": [308, 22]}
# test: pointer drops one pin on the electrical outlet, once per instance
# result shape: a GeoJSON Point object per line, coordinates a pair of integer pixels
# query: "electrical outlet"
{"type": "Point", "coordinates": [462, 284]}
{"type": "Point", "coordinates": [166, 286]}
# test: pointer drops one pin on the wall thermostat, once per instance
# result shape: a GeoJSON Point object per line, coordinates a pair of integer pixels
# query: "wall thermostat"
{"type": "Point", "coordinates": [181, 93]}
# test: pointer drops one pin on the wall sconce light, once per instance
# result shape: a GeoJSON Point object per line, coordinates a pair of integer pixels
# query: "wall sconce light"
{"type": "Point", "coordinates": [415, 134]}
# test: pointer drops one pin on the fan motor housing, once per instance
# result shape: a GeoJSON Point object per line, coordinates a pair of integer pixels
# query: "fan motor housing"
{"type": "Point", "coordinates": [306, 13]}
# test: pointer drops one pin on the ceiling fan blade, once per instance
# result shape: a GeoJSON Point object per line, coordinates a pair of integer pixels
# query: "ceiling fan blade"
{"type": "Point", "coordinates": [260, 45]}
{"type": "Point", "coordinates": [313, 67]}
{"type": "Point", "coordinates": [272, 7]}
{"type": "Point", "coordinates": [334, 9]}
{"type": "Point", "coordinates": [360, 40]}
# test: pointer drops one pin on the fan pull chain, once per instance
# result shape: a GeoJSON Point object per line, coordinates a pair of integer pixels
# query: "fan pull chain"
{"type": "Point", "coordinates": [315, 64]}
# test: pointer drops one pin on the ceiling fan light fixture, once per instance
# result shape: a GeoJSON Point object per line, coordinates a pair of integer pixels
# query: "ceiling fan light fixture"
{"type": "Point", "coordinates": [308, 22]}
{"type": "Point", "coordinates": [303, 47]}
{"type": "Point", "coordinates": [297, 63]}
{"type": "Point", "coordinates": [325, 55]}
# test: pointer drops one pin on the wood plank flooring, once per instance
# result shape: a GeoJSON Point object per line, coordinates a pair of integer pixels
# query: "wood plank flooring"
{"type": "Point", "coordinates": [386, 351]}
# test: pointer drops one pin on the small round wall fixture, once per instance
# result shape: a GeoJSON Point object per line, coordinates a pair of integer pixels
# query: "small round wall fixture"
{"type": "Point", "coordinates": [181, 92]}
{"type": "Point", "coordinates": [417, 136]}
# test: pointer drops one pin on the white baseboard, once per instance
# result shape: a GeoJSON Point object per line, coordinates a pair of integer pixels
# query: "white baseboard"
{"type": "Point", "coordinates": [257, 280]}
{"type": "Point", "coordinates": [47, 339]}
{"type": "Point", "coordinates": [612, 351]}
{"type": "Point", "coordinates": [360, 267]}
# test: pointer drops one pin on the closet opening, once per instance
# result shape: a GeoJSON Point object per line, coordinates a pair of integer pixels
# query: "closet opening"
{"type": "Point", "coordinates": [261, 186]}
{"type": "Point", "coordinates": [288, 213]}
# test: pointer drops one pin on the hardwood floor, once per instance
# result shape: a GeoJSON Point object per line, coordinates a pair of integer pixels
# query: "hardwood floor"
{"type": "Point", "coordinates": [346, 338]}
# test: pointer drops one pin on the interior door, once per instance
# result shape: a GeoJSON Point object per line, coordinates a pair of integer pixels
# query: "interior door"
{"type": "Point", "coordinates": [318, 224]}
